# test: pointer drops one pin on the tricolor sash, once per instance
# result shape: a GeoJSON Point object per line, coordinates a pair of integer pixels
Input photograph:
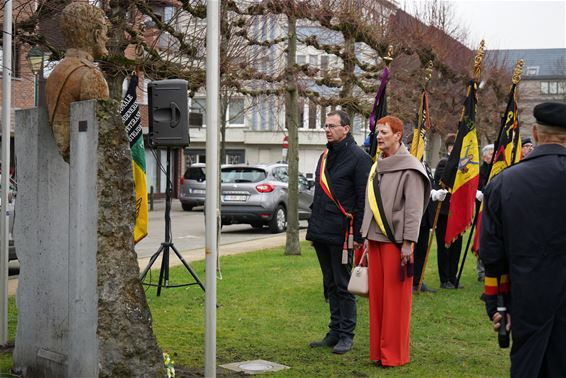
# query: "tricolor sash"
{"type": "Point", "coordinates": [325, 185]}
{"type": "Point", "coordinates": [376, 203]}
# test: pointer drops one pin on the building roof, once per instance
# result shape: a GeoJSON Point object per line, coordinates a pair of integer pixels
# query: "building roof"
{"type": "Point", "coordinates": [539, 63]}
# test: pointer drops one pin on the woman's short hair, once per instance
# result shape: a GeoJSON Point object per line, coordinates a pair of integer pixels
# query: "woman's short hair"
{"type": "Point", "coordinates": [395, 123]}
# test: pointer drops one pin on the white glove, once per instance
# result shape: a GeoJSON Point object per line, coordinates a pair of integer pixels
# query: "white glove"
{"type": "Point", "coordinates": [479, 195]}
{"type": "Point", "coordinates": [438, 195]}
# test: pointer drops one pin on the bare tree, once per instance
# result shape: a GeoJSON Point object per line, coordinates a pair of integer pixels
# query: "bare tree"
{"type": "Point", "coordinates": [292, 246]}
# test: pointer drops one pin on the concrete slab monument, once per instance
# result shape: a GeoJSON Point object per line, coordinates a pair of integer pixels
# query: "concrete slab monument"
{"type": "Point", "coordinates": [82, 311]}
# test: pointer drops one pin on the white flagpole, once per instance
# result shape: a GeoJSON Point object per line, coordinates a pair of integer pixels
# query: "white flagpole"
{"type": "Point", "coordinates": [5, 182]}
{"type": "Point", "coordinates": [212, 186]}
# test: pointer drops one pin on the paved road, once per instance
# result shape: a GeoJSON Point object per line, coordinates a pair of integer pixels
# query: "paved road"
{"type": "Point", "coordinates": [188, 235]}
{"type": "Point", "coordinates": [188, 231]}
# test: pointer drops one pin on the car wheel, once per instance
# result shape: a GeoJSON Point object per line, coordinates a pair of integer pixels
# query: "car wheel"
{"type": "Point", "coordinates": [186, 207]}
{"type": "Point", "coordinates": [256, 225]}
{"type": "Point", "coordinates": [278, 223]}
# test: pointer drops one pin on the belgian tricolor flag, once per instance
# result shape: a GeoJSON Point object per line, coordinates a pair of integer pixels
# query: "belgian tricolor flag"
{"type": "Point", "coordinates": [461, 174]}
{"type": "Point", "coordinates": [507, 150]}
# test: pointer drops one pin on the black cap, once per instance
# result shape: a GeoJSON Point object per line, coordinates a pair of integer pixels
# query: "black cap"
{"type": "Point", "coordinates": [526, 140]}
{"type": "Point", "coordinates": [551, 114]}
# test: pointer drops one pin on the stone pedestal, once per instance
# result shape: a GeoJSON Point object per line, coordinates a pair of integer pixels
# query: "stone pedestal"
{"type": "Point", "coordinates": [81, 307]}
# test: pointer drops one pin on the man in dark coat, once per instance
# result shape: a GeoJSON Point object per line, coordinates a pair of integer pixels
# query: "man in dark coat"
{"type": "Point", "coordinates": [523, 248]}
{"type": "Point", "coordinates": [345, 178]}
{"type": "Point", "coordinates": [448, 258]}
{"type": "Point", "coordinates": [485, 170]}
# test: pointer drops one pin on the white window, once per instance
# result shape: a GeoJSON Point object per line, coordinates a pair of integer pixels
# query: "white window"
{"type": "Point", "coordinates": [313, 60]}
{"type": "Point", "coordinates": [324, 59]}
{"type": "Point", "coordinates": [168, 13]}
{"type": "Point", "coordinates": [544, 87]}
{"type": "Point", "coordinates": [562, 87]}
{"type": "Point", "coordinates": [199, 105]}
{"type": "Point", "coordinates": [532, 70]}
{"type": "Point", "coordinates": [236, 112]}
{"type": "Point", "coordinates": [553, 87]}
{"type": "Point", "coordinates": [301, 59]}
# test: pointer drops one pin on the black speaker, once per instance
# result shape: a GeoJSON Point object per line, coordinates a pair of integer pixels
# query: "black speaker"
{"type": "Point", "coordinates": [168, 113]}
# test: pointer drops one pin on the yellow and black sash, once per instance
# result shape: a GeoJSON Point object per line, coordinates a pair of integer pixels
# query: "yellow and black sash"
{"type": "Point", "coordinates": [325, 185]}
{"type": "Point", "coordinates": [376, 203]}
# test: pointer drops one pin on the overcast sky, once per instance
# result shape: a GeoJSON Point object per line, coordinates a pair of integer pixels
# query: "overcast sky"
{"type": "Point", "coordinates": [511, 24]}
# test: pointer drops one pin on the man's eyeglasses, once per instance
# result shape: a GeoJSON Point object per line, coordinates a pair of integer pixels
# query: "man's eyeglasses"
{"type": "Point", "coordinates": [330, 126]}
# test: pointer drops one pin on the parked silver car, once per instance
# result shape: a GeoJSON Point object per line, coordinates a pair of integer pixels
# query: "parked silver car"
{"type": "Point", "coordinates": [257, 195]}
{"type": "Point", "coordinates": [192, 190]}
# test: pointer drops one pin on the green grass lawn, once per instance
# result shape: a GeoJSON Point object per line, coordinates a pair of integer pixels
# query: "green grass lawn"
{"type": "Point", "coordinates": [271, 306]}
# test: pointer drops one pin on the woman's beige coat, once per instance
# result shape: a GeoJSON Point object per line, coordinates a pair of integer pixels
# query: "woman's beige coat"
{"type": "Point", "coordinates": [405, 191]}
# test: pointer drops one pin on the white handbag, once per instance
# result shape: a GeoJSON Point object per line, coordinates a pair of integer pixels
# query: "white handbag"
{"type": "Point", "coordinates": [358, 284]}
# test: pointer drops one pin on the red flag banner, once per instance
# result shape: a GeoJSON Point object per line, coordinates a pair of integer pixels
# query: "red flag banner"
{"type": "Point", "coordinates": [461, 174]}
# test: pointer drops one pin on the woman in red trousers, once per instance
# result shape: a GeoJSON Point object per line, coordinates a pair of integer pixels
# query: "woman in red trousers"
{"type": "Point", "coordinates": [396, 196]}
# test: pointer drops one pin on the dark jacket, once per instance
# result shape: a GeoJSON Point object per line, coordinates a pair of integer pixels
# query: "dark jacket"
{"type": "Point", "coordinates": [347, 169]}
{"type": "Point", "coordinates": [523, 232]}
{"type": "Point", "coordinates": [428, 215]}
{"type": "Point", "coordinates": [438, 173]}
{"type": "Point", "coordinates": [484, 175]}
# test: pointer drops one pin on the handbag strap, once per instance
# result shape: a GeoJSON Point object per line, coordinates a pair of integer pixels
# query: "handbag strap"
{"type": "Point", "coordinates": [364, 257]}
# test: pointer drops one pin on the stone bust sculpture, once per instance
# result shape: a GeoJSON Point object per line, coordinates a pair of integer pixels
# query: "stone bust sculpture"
{"type": "Point", "coordinates": [76, 77]}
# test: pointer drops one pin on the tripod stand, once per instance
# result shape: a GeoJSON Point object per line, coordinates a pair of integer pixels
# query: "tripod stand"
{"type": "Point", "coordinates": [168, 244]}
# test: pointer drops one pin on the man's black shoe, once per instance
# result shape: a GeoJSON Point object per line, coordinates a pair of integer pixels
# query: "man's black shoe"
{"type": "Point", "coordinates": [328, 341]}
{"type": "Point", "coordinates": [447, 285]}
{"type": "Point", "coordinates": [343, 346]}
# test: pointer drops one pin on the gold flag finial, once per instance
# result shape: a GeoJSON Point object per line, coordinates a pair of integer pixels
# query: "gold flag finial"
{"type": "Point", "coordinates": [518, 71]}
{"type": "Point", "coordinates": [389, 56]}
{"type": "Point", "coordinates": [478, 60]}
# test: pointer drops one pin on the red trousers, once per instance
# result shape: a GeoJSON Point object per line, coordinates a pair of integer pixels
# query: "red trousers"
{"type": "Point", "coordinates": [390, 302]}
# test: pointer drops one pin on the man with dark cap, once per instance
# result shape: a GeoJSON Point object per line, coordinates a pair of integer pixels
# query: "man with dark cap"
{"type": "Point", "coordinates": [448, 258]}
{"type": "Point", "coordinates": [523, 248]}
{"type": "Point", "coordinates": [526, 147]}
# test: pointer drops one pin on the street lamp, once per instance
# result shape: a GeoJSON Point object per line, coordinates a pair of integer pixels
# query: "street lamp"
{"type": "Point", "coordinates": [35, 60]}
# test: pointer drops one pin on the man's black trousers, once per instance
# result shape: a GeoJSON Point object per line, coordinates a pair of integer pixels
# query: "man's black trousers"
{"type": "Point", "coordinates": [336, 277]}
{"type": "Point", "coordinates": [448, 258]}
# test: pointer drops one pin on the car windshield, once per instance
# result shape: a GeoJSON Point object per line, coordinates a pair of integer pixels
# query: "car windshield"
{"type": "Point", "coordinates": [245, 174]}
{"type": "Point", "coordinates": [195, 173]}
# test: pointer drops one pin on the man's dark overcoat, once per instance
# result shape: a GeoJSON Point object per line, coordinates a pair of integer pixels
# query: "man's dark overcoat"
{"type": "Point", "coordinates": [347, 169]}
{"type": "Point", "coordinates": [524, 232]}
